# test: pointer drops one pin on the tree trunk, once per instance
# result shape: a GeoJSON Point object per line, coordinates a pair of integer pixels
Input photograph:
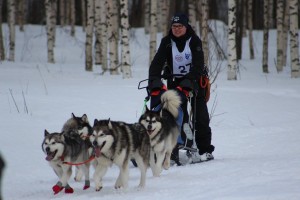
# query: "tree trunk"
{"type": "Point", "coordinates": [83, 14]}
{"type": "Point", "coordinates": [192, 13]}
{"type": "Point", "coordinates": [280, 9]}
{"type": "Point", "coordinates": [153, 28]}
{"type": "Point", "coordinates": [285, 32]}
{"type": "Point", "coordinates": [62, 10]}
{"type": "Point", "coordinates": [147, 16]}
{"type": "Point", "coordinates": [232, 57]}
{"type": "Point", "coordinates": [266, 37]}
{"type": "Point", "coordinates": [2, 50]}
{"type": "Point", "coordinates": [112, 38]}
{"type": "Point", "coordinates": [250, 27]}
{"type": "Point", "coordinates": [21, 14]}
{"type": "Point", "coordinates": [50, 6]}
{"type": "Point", "coordinates": [204, 30]}
{"type": "Point", "coordinates": [165, 17]}
{"type": "Point", "coordinates": [104, 33]}
{"type": "Point", "coordinates": [11, 7]}
{"type": "Point", "coordinates": [72, 17]}
{"type": "Point", "coordinates": [294, 39]}
{"type": "Point", "coordinates": [89, 36]}
{"type": "Point", "coordinates": [125, 35]}
{"type": "Point", "coordinates": [98, 33]}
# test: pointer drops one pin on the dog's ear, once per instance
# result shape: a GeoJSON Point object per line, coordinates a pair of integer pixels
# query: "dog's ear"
{"type": "Point", "coordinates": [85, 118]}
{"type": "Point", "coordinates": [73, 116]}
{"type": "Point", "coordinates": [46, 133]}
{"type": "Point", "coordinates": [95, 121]}
{"type": "Point", "coordinates": [109, 124]}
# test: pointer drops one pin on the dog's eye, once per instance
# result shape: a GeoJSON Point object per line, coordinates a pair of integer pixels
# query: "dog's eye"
{"type": "Point", "coordinates": [102, 135]}
{"type": "Point", "coordinates": [153, 122]}
{"type": "Point", "coordinates": [53, 143]}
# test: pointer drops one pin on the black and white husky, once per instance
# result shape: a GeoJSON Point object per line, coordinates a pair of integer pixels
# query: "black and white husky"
{"type": "Point", "coordinates": [163, 130]}
{"type": "Point", "coordinates": [117, 143]}
{"type": "Point", "coordinates": [61, 151]}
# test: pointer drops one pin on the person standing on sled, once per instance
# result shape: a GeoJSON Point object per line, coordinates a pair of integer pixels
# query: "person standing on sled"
{"type": "Point", "coordinates": [180, 58]}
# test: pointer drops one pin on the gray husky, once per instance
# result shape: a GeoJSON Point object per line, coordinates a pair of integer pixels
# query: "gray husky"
{"type": "Point", "coordinates": [82, 127]}
{"type": "Point", "coordinates": [61, 150]}
{"type": "Point", "coordinates": [163, 130]}
{"type": "Point", "coordinates": [79, 125]}
{"type": "Point", "coordinates": [118, 142]}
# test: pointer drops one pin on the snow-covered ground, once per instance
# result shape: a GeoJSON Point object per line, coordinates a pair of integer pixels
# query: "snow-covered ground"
{"type": "Point", "coordinates": [255, 123]}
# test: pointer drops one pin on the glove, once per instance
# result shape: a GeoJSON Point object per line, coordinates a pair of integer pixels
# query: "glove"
{"type": "Point", "coordinates": [187, 84]}
{"type": "Point", "coordinates": [191, 76]}
{"type": "Point", "coordinates": [156, 86]}
{"type": "Point", "coordinates": [185, 92]}
{"type": "Point", "coordinates": [157, 91]}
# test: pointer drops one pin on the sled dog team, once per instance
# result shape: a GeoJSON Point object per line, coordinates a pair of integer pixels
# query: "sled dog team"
{"type": "Point", "coordinates": [149, 142]}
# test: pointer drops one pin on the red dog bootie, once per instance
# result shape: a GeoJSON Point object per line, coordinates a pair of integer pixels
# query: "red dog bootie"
{"type": "Point", "coordinates": [86, 185]}
{"type": "Point", "coordinates": [57, 188]}
{"type": "Point", "coordinates": [68, 189]}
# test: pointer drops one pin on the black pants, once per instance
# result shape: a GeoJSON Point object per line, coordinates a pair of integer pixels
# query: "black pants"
{"type": "Point", "coordinates": [202, 128]}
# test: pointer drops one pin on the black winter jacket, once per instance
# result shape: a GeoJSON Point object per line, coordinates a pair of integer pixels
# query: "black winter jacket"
{"type": "Point", "coordinates": [163, 56]}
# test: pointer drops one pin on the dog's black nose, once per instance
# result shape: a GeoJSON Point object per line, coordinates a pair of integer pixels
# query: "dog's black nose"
{"type": "Point", "coordinates": [149, 127]}
{"type": "Point", "coordinates": [95, 143]}
{"type": "Point", "coordinates": [47, 149]}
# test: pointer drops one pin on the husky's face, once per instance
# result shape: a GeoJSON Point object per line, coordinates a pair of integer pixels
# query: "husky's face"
{"type": "Point", "coordinates": [152, 122]}
{"type": "Point", "coordinates": [102, 138]}
{"type": "Point", "coordinates": [83, 126]}
{"type": "Point", "coordinates": [53, 145]}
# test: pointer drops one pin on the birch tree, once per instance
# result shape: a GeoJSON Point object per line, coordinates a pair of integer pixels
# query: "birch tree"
{"type": "Point", "coordinates": [204, 29]}
{"type": "Point", "coordinates": [165, 16]}
{"type": "Point", "coordinates": [147, 16]}
{"type": "Point", "coordinates": [192, 13]}
{"type": "Point", "coordinates": [294, 40]}
{"type": "Point", "coordinates": [72, 17]}
{"type": "Point", "coordinates": [89, 36]}
{"type": "Point", "coordinates": [50, 28]}
{"type": "Point", "coordinates": [250, 28]}
{"type": "Point", "coordinates": [285, 32]}
{"type": "Point", "coordinates": [112, 38]}
{"type": "Point", "coordinates": [2, 50]}
{"type": "Point", "coordinates": [280, 14]}
{"type": "Point", "coordinates": [83, 14]}
{"type": "Point", "coordinates": [232, 56]}
{"type": "Point", "coordinates": [266, 36]}
{"type": "Point", "coordinates": [11, 8]}
{"type": "Point", "coordinates": [125, 35]}
{"type": "Point", "coordinates": [21, 14]}
{"type": "Point", "coordinates": [104, 33]}
{"type": "Point", "coordinates": [98, 32]}
{"type": "Point", "coordinates": [153, 28]}
{"type": "Point", "coordinates": [62, 10]}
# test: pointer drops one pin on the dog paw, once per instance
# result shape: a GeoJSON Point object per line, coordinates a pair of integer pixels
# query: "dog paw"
{"type": "Point", "coordinates": [56, 189]}
{"type": "Point", "coordinates": [98, 189]}
{"type": "Point", "coordinates": [69, 190]}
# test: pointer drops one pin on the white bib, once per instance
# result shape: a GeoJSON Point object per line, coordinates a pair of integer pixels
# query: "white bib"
{"type": "Point", "coordinates": [182, 61]}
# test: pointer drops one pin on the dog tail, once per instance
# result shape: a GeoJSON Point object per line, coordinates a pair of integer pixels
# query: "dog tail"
{"type": "Point", "coordinates": [171, 102]}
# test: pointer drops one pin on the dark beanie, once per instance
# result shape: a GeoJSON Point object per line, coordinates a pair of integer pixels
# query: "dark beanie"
{"type": "Point", "coordinates": [181, 19]}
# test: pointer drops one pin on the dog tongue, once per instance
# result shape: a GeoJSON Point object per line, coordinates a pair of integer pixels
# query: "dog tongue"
{"type": "Point", "coordinates": [97, 151]}
{"type": "Point", "coordinates": [49, 157]}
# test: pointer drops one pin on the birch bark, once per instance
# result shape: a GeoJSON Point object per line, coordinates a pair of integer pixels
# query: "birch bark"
{"type": "Point", "coordinates": [232, 55]}
{"type": "Point", "coordinates": [125, 35]}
